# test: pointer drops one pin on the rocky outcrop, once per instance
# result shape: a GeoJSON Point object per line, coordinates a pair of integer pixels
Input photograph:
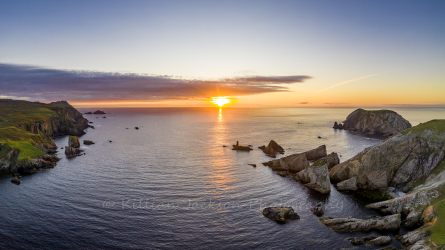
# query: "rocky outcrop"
{"type": "Point", "coordinates": [72, 152]}
{"type": "Point", "coordinates": [280, 214]}
{"type": "Point", "coordinates": [99, 112]}
{"type": "Point", "coordinates": [26, 143]}
{"type": "Point", "coordinates": [416, 239]}
{"type": "Point", "coordinates": [315, 177]}
{"type": "Point", "coordinates": [385, 122]}
{"type": "Point", "coordinates": [400, 161]}
{"type": "Point", "coordinates": [241, 148]}
{"type": "Point", "coordinates": [292, 163]}
{"type": "Point", "coordinates": [370, 239]}
{"type": "Point", "coordinates": [73, 142]}
{"type": "Point", "coordinates": [412, 205]}
{"type": "Point", "coordinates": [332, 160]}
{"type": "Point", "coordinates": [272, 149]}
{"type": "Point", "coordinates": [316, 153]}
{"type": "Point", "coordinates": [352, 225]}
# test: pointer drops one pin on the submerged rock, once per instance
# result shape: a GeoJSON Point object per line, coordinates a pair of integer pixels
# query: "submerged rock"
{"type": "Point", "coordinates": [280, 214]}
{"type": "Point", "coordinates": [73, 142]}
{"type": "Point", "coordinates": [352, 225]}
{"type": "Point", "coordinates": [272, 149]}
{"type": "Point", "coordinates": [316, 177]}
{"type": "Point", "coordinates": [385, 122]}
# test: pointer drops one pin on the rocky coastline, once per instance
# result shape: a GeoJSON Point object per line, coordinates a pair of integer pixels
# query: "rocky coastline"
{"type": "Point", "coordinates": [27, 130]}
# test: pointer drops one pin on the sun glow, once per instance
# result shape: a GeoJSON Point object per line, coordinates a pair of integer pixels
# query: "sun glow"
{"type": "Point", "coordinates": [220, 101]}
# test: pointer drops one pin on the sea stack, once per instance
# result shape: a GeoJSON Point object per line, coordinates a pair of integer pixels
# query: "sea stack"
{"type": "Point", "coordinates": [382, 122]}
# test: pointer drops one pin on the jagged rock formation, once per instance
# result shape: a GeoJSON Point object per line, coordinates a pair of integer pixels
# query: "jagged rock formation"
{"type": "Point", "coordinates": [272, 149]}
{"type": "Point", "coordinates": [385, 122]}
{"type": "Point", "coordinates": [74, 142]}
{"type": "Point", "coordinates": [390, 222]}
{"type": "Point", "coordinates": [315, 177]}
{"type": "Point", "coordinates": [316, 153]}
{"type": "Point", "coordinates": [370, 239]}
{"type": "Point", "coordinates": [26, 131]}
{"type": "Point", "coordinates": [280, 214]}
{"type": "Point", "coordinates": [317, 210]}
{"type": "Point", "coordinates": [399, 161]}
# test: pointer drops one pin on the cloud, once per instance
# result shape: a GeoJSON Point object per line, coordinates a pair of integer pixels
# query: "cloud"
{"type": "Point", "coordinates": [303, 102]}
{"type": "Point", "coordinates": [44, 84]}
{"type": "Point", "coordinates": [353, 80]}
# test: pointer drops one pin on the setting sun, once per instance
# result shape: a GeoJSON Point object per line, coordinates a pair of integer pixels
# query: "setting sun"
{"type": "Point", "coordinates": [220, 101]}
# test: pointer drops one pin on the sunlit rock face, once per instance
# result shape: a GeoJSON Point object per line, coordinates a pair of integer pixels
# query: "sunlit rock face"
{"type": "Point", "coordinates": [384, 122]}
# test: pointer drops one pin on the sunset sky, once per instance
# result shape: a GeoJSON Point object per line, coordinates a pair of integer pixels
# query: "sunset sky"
{"type": "Point", "coordinates": [261, 53]}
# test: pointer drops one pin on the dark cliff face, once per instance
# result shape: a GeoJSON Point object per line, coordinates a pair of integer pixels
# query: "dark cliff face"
{"type": "Point", "coordinates": [383, 122]}
{"type": "Point", "coordinates": [26, 133]}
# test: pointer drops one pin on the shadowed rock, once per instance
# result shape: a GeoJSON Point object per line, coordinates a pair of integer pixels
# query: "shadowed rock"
{"type": "Point", "coordinates": [317, 210]}
{"type": "Point", "coordinates": [272, 149]}
{"type": "Point", "coordinates": [71, 152]}
{"type": "Point", "coordinates": [88, 142]}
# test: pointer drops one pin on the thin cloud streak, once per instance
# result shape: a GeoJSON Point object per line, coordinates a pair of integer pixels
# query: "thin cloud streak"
{"type": "Point", "coordinates": [82, 86]}
{"type": "Point", "coordinates": [353, 80]}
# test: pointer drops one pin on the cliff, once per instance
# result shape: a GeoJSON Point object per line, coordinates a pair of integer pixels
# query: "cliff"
{"type": "Point", "coordinates": [413, 162]}
{"type": "Point", "coordinates": [26, 132]}
{"type": "Point", "coordinates": [385, 122]}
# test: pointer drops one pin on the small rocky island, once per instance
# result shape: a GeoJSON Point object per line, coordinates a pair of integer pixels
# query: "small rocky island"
{"type": "Point", "coordinates": [27, 130]}
{"type": "Point", "coordinates": [374, 122]}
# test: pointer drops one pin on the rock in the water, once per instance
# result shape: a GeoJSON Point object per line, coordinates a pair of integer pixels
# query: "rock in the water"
{"type": "Point", "coordinates": [415, 239]}
{"type": "Point", "coordinates": [335, 125]}
{"type": "Point", "coordinates": [241, 148]}
{"type": "Point", "coordinates": [412, 205]}
{"type": "Point", "coordinates": [316, 177]}
{"type": "Point", "coordinates": [16, 180]}
{"type": "Point", "coordinates": [272, 149]}
{"type": "Point", "coordinates": [253, 165]}
{"type": "Point", "coordinates": [340, 126]}
{"type": "Point", "coordinates": [332, 160]}
{"type": "Point", "coordinates": [317, 210]}
{"type": "Point", "coordinates": [371, 239]}
{"type": "Point", "coordinates": [386, 122]}
{"type": "Point", "coordinates": [89, 113]}
{"type": "Point", "coordinates": [73, 142]}
{"type": "Point", "coordinates": [280, 214]}
{"type": "Point", "coordinates": [71, 152]}
{"type": "Point", "coordinates": [99, 112]}
{"type": "Point", "coordinates": [292, 163]}
{"type": "Point", "coordinates": [351, 225]}
{"type": "Point", "coordinates": [349, 184]}
{"type": "Point", "coordinates": [136, 127]}
{"type": "Point", "coordinates": [400, 161]}
{"type": "Point", "coordinates": [88, 142]}
{"type": "Point", "coordinates": [316, 153]}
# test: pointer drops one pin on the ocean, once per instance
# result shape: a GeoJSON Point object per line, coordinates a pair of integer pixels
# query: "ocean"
{"type": "Point", "coordinates": [172, 185]}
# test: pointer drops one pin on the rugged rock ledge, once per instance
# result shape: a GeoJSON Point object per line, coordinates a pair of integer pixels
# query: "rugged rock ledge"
{"type": "Point", "coordinates": [385, 122]}
{"type": "Point", "coordinates": [26, 132]}
{"type": "Point", "coordinates": [399, 161]}
{"type": "Point", "coordinates": [390, 222]}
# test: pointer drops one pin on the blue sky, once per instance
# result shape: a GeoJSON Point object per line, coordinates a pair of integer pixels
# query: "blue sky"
{"type": "Point", "coordinates": [331, 41]}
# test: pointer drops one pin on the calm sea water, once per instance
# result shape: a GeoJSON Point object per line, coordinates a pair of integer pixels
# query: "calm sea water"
{"type": "Point", "coordinates": [172, 185]}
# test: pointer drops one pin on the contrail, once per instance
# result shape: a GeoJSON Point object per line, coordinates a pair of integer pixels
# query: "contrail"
{"type": "Point", "coordinates": [353, 80]}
